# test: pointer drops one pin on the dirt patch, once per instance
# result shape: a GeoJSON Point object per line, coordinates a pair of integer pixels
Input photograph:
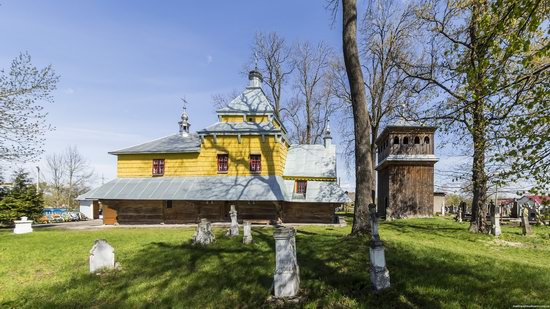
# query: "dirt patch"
{"type": "Point", "coordinates": [506, 243]}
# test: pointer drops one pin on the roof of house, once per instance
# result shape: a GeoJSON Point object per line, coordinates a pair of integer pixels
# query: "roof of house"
{"type": "Point", "coordinates": [250, 101]}
{"type": "Point", "coordinates": [311, 161]}
{"type": "Point", "coordinates": [175, 143]}
{"type": "Point", "coordinates": [403, 124]}
{"type": "Point", "coordinates": [241, 127]}
{"type": "Point", "coordinates": [212, 188]}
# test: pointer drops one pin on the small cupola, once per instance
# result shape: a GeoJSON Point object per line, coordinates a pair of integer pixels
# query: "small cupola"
{"type": "Point", "coordinates": [327, 137]}
{"type": "Point", "coordinates": [184, 123]}
{"type": "Point", "coordinates": [255, 79]}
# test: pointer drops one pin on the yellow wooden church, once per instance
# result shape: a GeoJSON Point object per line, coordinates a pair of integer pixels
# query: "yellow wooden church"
{"type": "Point", "coordinates": [245, 159]}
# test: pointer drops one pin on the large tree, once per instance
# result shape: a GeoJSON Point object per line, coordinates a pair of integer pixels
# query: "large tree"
{"type": "Point", "coordinates": [23, 89]}
{"type": "Point", "coordinates": [364, 172]}
{"type": "Point", "coordinates": [486, 61]}
{"type": "Point", "coordinates": [69, 176]}
{"type": "Point", "coordinates": [273, 58]}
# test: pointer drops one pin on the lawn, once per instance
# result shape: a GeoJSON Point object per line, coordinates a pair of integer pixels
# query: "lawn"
{"type": "Point", "coordinates": [433, 263]}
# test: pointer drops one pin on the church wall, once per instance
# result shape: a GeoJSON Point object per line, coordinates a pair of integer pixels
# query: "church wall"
{"type": "Point", "coordinates": [240, 118]}
{"type": "Point", "coordinates": [185, 212]}
{"type": "Point", "coordinates": [205, 163]}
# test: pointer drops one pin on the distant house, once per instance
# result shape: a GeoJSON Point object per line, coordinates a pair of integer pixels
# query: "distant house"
{"type": "Point", "coordinates": [90, 208]}
{"type": "Point", "coordinates": [439, 202]}
{"type": "Point", "coordinates": [245, 159]}
{"type": "Point", "coordinates": [534, 203]}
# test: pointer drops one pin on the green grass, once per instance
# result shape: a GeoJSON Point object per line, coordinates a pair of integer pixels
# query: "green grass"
{"type": "Point", "coordinates": [433, 263]}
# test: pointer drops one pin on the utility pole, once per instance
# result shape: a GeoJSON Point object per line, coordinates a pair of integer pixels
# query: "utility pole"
{"type": "Point", "coordinates": [37, 178]}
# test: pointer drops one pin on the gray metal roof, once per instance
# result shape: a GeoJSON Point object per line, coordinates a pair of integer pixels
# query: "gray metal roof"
{"type": "Point", "coordinates": [215, 188]}
{"type": "Point", "coordinates": [170, 144]}
{"type": "Point", "coordinates": [209, 188]}
{"type": "Point", "coordinates": [251, 101]}
{"type": "Point", "coordinates": [241, 127]}
{"type": "Point", "coordinates": [311, 161]}
{"type": "Point", "coordinates": [417, 158]}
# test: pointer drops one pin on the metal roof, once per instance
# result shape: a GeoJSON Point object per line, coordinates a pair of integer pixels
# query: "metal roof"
{"type": "Point", "coordinates": [311, 161]}
{"type": "Point", "coordinates": [241, 127]}
{"type": "Point", "coordinates": [175, 143]}
{"type": "Point", "coordinates": [417, 158]}
{"type": "Point", "coordinates": [250, 101]}
{"type": "Point", "coordinates": [215, 188]}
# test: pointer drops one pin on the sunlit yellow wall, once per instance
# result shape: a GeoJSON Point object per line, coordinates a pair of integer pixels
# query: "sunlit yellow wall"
{"type": "Point", "coordinates": [205, 163]}
{"type": "Point", "coordinates": [249, 118]}
{"type": "Point", "coordinates": [232, 118]}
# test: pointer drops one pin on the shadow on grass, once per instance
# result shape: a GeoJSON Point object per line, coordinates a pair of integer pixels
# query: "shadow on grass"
{"type": "Point", "coordinates": [334, 272]}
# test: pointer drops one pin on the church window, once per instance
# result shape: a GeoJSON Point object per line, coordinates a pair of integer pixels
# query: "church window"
{"type": "Point", "coordinates": [396, 140]}
{"type": "Point", "coordinates": [301, 186]}
{"type": "Point", "coordinates": [158, 167]}
{"type": "Point", "coordinates": [405, 140]}
{"type": "Point", "coordinates": [255, 163]}
{"type": "Point", "coordinates": [250, 119]}
{"type": "Point", "coordinates": [426, 140]}
{"type": "Point", "coordinates": [417, 140]}
{"type": "Point", "coordinates": [168, 204]}
{"type": "Point", "coordinates": [223, 163]}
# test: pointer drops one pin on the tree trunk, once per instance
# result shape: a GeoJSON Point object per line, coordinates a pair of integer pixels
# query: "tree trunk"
{"type": "Point", "coordinates": [363, 160]}
{"type": "Point", "coordinates": [479, 177]}
{"type": "Point", "coordinates": [309, 121]}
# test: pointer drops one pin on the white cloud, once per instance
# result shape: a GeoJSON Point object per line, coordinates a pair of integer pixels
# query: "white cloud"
{"type": "Point", "coordinates": [209, 59]}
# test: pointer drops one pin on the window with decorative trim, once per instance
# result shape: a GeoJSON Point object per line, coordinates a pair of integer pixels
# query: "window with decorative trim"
{"type": "Point", "coordinates": [158, 167]}
{"type": "Point", "coordinates": [396, 140]}
{"type": "Point", "coordinates": [255, 163]}
{"type": "Point", "coordinates": [301, 186]}
{"type": "Point", "coordinates": [417, 140]}
{"type": "Point", "coordinates": [405, 140]}
{"type": "Point", "coordinates": [223, 163]}
{"type": "Point", "coordinates": [426, 140]}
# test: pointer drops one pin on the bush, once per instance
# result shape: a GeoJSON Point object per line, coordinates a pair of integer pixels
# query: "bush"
{"type": "Point", "coordinates": [20, 200]}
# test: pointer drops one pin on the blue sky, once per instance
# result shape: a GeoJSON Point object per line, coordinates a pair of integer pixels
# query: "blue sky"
{"type": "Point", "coordinates": [125, 64]}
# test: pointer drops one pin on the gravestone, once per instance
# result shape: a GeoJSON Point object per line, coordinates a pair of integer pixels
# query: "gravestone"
{"type": "Point", "coordinates": [203, 234]}
{"type": "Point", "coordinates": [495, 219]}
{"type": "Point", "coordinates": [458, 217]}
{"type": "Point", "coordinates": [379, 274]}
{"type": "Point", "coordinates": [526, 228]}
{"type": "Point", "coordinates": [341, 220]}
{"type": "Point", "coordinates": [443, 210]}
{"type": "Point", "coordinates": [247, 232]}
{"type": "Point", "coordinates": [286, 280]}
{"type": "Point", "coordinates": [102, 256]}
{"type": "Point", "coordinates": [234, 229]}
{"type": "Point", "coordinates": [22, 226]}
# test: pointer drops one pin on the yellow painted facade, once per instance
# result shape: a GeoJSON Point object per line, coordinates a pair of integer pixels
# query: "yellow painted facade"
{"type": "Point", "coordinates": [247, 118]}
{"type": "Point", "coordinates": [273, 154]}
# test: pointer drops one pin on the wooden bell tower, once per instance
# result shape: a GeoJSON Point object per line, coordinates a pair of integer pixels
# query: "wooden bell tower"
{"type": "Point", "coordinates": [405, 170]}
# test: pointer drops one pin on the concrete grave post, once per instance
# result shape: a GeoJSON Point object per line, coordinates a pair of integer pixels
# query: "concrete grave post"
{"type": "Point", "coordinates": [234, 229]}
{"type": "Point", "coordinates": [22, 226]}
{"type": "Point", "coordinates": [526, 228]}
{"type": "Point", "coordinates": [495, 219]}
{"type": "Point", "coordinates": [203, 234]}
{"type": "Point", "coordinates": [247, 232]}
{"type": "Point", "coordinates": [102, 256]}
{"type": "Point", "coordinates": [458, 217]}
{"type": "Point", "coordinates": [286, 280]}
{"type": "Point", "coordinates": [379, 274]}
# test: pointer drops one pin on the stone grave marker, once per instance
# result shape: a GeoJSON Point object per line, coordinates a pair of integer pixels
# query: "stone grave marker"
{"type": "Point", "coordinates": [379, 274]}
{"type": "Point", "coordinates": [286, 280]}
{"type": "Point", "coordinates": [203, 234]}
{"type": "Point", "coordinates": [102, 256]}
{"type": "Point", "coordinates": [495, 219]}
{"type": "Point", "coordinates": [22, 226]}
{"type": "Point", "coordinates": [526, 228]}
{"type": "Point", "coordinates": [247, 232]}
{"type": "Point", "coordinates": [234, 229]}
